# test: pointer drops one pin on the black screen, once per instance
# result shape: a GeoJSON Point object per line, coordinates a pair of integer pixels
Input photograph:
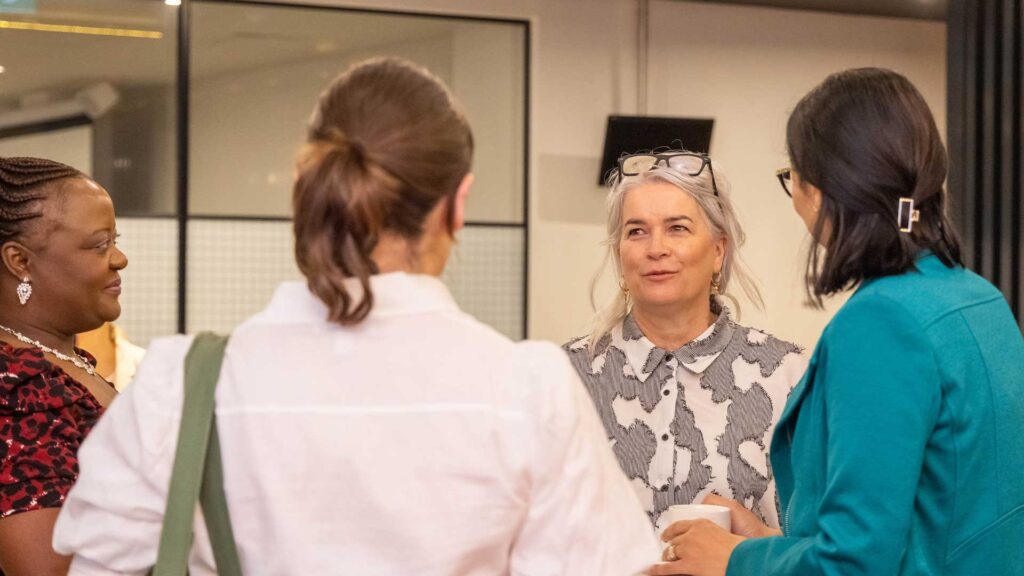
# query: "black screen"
{"type": "Point", "coordinates": [629, 134]}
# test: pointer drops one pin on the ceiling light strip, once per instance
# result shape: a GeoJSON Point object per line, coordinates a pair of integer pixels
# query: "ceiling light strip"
{"type": "Point", "coordinates": [90, 30]}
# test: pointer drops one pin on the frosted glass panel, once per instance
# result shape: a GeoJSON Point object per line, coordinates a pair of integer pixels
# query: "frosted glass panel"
{"type": "Point", "coordinates": [235, 265]}
{"type": "Point", "coordinates": [233, 268]}
{"type": "Point", "coordinates": [485, 275]}
{"type": "Point", "coordinates": [149, 300]}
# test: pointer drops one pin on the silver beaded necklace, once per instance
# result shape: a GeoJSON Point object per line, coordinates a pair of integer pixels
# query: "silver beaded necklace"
{"type": "Point", "coordinates": [77, 360]}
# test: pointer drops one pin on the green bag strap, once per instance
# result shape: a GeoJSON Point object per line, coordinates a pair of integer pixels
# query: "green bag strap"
{"type": "Point", "coordinates": [215, 510]}
{"type": "Point", "coordinates": [197, 469]}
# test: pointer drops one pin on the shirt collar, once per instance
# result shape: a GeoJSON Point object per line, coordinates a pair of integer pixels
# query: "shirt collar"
{"type": "Point", "coordinates": [394, 294]}
{"type": "Point", "coordinates": [644, 357]}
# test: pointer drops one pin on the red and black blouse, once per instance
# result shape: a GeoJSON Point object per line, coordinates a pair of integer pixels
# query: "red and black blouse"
{"type": "Point", "coordinates": [45, 414]}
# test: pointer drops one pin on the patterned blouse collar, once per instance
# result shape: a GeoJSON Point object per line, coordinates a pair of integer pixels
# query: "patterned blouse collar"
{"type": "Point", "coordinates": [644, 357]}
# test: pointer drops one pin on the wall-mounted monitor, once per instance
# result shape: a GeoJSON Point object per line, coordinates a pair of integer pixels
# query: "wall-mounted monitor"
{"type": "Point", "coordinates": [628, 134]}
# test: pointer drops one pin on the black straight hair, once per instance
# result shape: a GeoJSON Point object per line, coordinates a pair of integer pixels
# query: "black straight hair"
{"type": "Point", "coordinates": [866, 138]}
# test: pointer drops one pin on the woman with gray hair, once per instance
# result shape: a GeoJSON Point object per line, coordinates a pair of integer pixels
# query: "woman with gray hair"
{"type": "Point", "coordinates": [688, 397]}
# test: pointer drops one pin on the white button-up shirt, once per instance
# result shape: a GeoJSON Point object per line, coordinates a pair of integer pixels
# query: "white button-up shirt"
{"type": "Point", "coordinates": [418, 442]}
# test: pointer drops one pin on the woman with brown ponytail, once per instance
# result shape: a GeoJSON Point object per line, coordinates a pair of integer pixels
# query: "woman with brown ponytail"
{"type": "Point", "coordinates": [367, 425]}
{"type": "Point", "coordinates": [59, 278]}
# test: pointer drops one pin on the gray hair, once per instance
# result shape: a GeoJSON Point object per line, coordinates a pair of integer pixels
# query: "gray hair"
{"type": "Point", "coordinates": [721, 219]}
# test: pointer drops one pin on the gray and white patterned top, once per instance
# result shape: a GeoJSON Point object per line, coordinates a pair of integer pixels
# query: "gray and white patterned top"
{"type": "Point", "coordinates": [696, 420]}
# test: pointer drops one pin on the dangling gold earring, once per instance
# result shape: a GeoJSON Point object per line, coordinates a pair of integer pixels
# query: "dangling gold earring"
{"type": "Point", "coordinates": [625, 292]}
{"type": "Point", "coordinates": [716, 284]}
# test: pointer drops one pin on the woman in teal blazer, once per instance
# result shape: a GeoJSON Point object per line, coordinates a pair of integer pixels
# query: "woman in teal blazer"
{"type": "Point", "coordinates": [901, 451]}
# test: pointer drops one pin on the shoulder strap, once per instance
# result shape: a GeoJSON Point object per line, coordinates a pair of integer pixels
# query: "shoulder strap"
{"type": "Point", "coordinates": [197, 449]}
{"type": "Point", "coordinates": [215, 510]}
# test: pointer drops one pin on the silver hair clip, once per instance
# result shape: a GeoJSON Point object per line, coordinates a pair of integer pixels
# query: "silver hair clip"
{"type": "Point", "coordinates": [906, 216]}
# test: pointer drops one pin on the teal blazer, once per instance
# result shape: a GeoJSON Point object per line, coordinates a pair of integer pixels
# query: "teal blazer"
{"type": "Point", "coordinates": [902, 449]}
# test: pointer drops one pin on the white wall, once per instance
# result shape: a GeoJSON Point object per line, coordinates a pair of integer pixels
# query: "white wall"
{"type": "Point", "coordinates": [745, 66]}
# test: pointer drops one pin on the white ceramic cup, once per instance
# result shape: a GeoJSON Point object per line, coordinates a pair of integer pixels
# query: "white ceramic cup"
{"type": "Point", "coordinates": [717, 514]}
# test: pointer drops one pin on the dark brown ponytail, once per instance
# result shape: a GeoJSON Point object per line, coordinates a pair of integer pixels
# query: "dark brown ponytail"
{"type": "Point", "coordinates": [386, 144]}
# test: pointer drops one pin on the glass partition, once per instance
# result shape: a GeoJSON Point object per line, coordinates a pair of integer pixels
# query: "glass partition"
{"type": "Point", "coordinates": [96, 84]}
{"type": "Point", "coordinates": [92, 83]}
{"type": "Point", "coordinates": [258, 70]}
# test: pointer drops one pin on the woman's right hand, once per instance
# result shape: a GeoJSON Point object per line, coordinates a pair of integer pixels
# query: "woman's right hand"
{"type": "Point", "coordinates": [744, 522]}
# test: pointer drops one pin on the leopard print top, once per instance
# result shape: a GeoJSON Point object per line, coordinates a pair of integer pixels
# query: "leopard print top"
{"type": "Point", "coordinates": [45, 414]}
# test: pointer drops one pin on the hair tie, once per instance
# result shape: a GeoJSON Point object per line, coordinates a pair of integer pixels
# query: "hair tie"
{"type": "Point", "coordinates": [340, 139]}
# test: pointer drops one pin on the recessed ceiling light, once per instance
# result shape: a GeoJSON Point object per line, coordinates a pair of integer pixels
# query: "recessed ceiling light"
{"type": "Point", "coordinates": [172, 2]}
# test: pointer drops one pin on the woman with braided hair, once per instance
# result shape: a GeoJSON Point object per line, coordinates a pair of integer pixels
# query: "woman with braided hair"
{"type": "Point", "coordinates": [59, 278]}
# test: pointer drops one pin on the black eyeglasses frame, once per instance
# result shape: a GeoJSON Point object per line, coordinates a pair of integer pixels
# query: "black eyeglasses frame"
{"type": "Point", "coordinates": [785, 175]}
{"type": "Point", "coordinates": [665, 157]}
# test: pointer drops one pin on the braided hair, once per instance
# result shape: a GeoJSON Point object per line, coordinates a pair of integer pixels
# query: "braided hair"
{"type": "Point", "coordinates": [23, 188]}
